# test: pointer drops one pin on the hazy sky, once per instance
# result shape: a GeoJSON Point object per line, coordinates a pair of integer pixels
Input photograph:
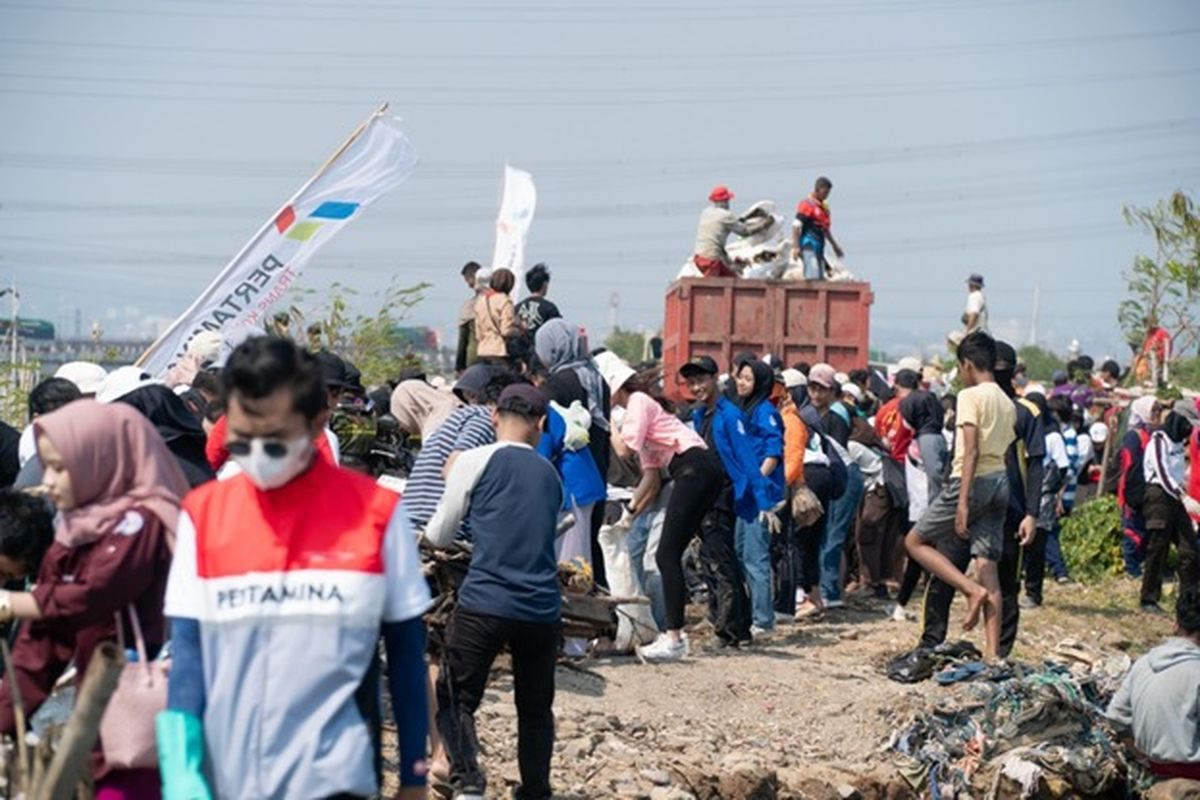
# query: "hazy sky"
{"type": "Point", "coordinates": [142, 143]}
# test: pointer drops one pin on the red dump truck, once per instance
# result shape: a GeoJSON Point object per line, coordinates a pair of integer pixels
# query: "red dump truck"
{"type": "Point", "coordinates": [796, 320]}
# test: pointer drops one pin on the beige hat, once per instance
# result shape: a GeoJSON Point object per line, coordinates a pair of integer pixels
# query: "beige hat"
{"type": "Point", "coordinates": [909, 362]}
{"type": "Point", "coordinates": [84, 374]}
{"type": "Point", "coordinates": [793, 378]}
{"type": "Point", "coordinates": [614, 370]}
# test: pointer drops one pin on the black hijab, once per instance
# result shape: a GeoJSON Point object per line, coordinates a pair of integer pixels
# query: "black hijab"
{"type": "Point", "coordinates": [178, 427]}
{"type": "Point", "coordinates": [1177, 428]}
{"type": "Point", "coordinates": [764, 381]}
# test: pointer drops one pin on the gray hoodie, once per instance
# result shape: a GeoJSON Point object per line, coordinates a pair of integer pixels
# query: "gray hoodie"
{"type": "Point", "coordinates": [1160, 701]}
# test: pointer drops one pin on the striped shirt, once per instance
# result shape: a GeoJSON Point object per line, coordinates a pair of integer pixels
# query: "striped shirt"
{"type": "Point", "coordinates": [467, 428]}
{"type": "Point", "coordinates": [1164, 465]}
{"type": "Point", "coordinates": [1071, 438]}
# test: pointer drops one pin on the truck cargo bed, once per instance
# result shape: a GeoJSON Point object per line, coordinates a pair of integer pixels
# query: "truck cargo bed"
{"type": "Point", "coordinates": [796, 320]}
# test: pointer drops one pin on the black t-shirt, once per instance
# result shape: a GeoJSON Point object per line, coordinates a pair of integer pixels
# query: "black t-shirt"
{"type": "Point", "coordinates": [533, 312]}
{"type": "Point", "coordinates": [923, 412]}
{"type": "Point", "coordinates": [837, 427]}
{"type": "Point", "coordinates": [1029, 444]}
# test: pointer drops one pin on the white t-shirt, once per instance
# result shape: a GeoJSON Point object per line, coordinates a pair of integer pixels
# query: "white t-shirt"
{"type": "Point", "coordinates": [1056, 451]}
{"type": "Point", "coordinates": [976, 304]}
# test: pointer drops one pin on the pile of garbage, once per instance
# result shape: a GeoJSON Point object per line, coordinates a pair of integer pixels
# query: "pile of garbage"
{"type": "Point", "coordinates": [1040, 731]}
{"type": "Point", "coordinates": [766, 252]}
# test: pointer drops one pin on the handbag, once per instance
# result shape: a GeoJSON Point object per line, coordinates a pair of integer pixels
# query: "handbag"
{"type": "Point", "coordinates": [127, 735]}
{"type": "Point", "coordinates": [806, 507]}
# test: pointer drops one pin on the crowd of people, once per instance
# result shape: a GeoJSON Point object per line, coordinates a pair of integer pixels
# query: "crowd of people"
{"type": "Point", "coordinates": [209, 519]}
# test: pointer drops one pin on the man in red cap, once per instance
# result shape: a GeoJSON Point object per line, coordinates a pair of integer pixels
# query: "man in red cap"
{"type": "Point", "coordinates": [716, 223]}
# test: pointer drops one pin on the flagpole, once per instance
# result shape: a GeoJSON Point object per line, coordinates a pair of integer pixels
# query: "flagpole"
{"type": "Point", "coordinates": [269, 223]}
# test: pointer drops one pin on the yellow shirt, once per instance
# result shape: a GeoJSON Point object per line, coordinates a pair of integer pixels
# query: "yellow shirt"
{"type": "Point", "coordinates": [990, 410]}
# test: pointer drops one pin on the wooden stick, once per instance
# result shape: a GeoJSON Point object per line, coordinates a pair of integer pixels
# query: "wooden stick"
{"type": "Point", "coordinates": [83, 727]}
{"type": "Point", "coordinates": [14, 692]}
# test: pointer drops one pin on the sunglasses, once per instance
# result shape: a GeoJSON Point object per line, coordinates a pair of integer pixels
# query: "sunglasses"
{"type": "Point", "coordinates": [272, 448]}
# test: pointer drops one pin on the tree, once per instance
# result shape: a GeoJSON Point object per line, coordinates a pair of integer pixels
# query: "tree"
{"type": "Point", "coordinates": [371, 342]}
{"type": "Point", "coordinates": [1040, 364]}
{"type": "Point", "coordinates": [629, 345]}
{"type": "Point", "coordinates": [1165, 289]}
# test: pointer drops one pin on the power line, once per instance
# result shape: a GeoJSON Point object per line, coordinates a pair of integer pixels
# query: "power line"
{"type": "Point", "coordinates": [659, 165]}
{"type": "Point", "coordinates": [573, 96]}
{"type": "Point", "coordinates": [683, 60]}
{"type": "Point", "coordinates": [554, 15]}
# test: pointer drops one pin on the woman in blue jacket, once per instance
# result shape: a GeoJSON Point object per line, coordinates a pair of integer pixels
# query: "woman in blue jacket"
{"type": "Point", "coordinates": [754, 380]}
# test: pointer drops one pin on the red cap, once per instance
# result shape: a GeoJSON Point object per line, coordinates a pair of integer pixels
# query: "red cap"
{"type": "Point", "coordinates": [721, 194]}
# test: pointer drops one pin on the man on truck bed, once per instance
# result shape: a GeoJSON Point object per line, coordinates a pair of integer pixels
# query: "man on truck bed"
{"type": "Point", "coordinates": [716, 223]}
{"type": "Point", "coordinates": [812, 228]}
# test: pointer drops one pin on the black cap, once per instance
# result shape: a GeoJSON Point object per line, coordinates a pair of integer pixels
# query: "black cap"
{"type": "Point", "coordinates": [338, 372]}
{"type": "Point", "coordinates": [700, 365]}
{"type": "Point", "coordinates": [472, 382]}
{"type": "Point", "coordinates": [523, 399]}
{"type": "Point", "coordinates": [975, 278]}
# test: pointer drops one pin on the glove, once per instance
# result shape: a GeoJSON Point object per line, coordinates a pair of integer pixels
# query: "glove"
{"type": "Point", "coordinates": [578, 421]}
{"type": "Point", "coordinates": [772, 522]}
{"type": "Point", "coordinates": [181, 756]}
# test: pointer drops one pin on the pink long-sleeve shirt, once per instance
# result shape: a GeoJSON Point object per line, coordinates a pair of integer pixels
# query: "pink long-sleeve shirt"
{"type": "Point", "coordinates": [653, 434]}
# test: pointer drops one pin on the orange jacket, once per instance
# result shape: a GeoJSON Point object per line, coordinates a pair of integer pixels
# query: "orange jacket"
{"type": "Point", "coordinates": [795, 442]}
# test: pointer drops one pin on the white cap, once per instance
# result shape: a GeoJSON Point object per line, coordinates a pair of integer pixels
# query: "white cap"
{"type": "Point", "coordinates": [853, 391]}
{"type": "Point", "coordinates": [84, 374]}
{"type": "Point", "coordinates": [614, 370]}
{"type": "Point", "coordinates": [122, 381]}
{"type": "Point", "coordinates": [841, 377]}
{"type": "Point", "coordinates": [1098, 432]}
{"type": "Point", "coordinates": [793, 378]}
{"type": "Point", "coordinates": [910, 362]}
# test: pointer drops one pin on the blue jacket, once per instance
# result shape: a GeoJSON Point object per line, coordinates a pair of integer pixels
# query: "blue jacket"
{"type": "Point", "coordinates": [582, 482]}
{"type": "Point", "coordinates": [765, 427]}
{"type": "Point", "coordinates": [736, 449]}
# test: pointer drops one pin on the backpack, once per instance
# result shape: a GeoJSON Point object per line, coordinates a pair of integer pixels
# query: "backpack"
{"type": "Point", "coordinates": [1132, 493]}
{"type": "Point", "coordinates": [837, 465]}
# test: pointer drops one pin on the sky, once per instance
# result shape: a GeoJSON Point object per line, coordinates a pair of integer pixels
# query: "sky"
{"type": "Point", "coordinates": [142, 143]}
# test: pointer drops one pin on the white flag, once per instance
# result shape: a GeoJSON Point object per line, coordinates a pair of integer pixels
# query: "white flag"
{"type": "Point", "coordinates": [376, 158]}
{"type": "Point", "coordinates": [512, 225]}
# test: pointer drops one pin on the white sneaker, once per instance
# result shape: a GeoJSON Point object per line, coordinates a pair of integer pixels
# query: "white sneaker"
{"type": "Point", "coordinates": [835, 604]}
{"type": "Point", "coordinates": [784, 619]}
{"type": "Point", "coordinates": [662, 649]}
{"type": "Point", "coordinates": [898, 614]}
{"type": "Point", "coordinates": [756, 631]}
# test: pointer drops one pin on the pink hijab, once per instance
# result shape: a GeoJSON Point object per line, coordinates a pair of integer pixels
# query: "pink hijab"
{"type": "Point", "coordinates": [116, 461]}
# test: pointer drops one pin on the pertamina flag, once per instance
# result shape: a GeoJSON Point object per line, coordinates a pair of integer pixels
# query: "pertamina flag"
{"type": "Point", "coordinates": [376, 158]}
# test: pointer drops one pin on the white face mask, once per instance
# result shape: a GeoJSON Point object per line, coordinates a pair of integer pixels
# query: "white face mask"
{"type": "Point", "coordinates": [270, 471]}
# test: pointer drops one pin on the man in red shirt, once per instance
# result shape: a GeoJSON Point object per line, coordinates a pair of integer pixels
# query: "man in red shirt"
{"type": "Point", "coordinates": [812, 228]}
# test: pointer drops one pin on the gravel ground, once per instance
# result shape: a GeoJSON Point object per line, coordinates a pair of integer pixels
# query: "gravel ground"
{"type": "Point", "coordinates": [805, 713]}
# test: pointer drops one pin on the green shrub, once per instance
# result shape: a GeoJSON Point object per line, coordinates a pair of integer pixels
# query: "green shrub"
{"type": "Point", "coordinates": [1091, 540]}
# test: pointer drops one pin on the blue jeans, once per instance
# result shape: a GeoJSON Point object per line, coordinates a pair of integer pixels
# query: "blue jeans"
{"type": "Point", "coordinates": [752, 541]}
{"type": "Point", "coordinates": [841, 518]}
{"type": "Point", "coordinates": [1054, 557]}
{"type": "Point", "coordinates": [642, 541]}
{"type": "Point", "coordinates": [814, 263]}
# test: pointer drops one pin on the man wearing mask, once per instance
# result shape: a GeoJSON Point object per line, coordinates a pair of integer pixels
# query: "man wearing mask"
{"type": "Point", "coordinates": [1025, 468]}
{"type": "Point", "coordinates": [251, 677]}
